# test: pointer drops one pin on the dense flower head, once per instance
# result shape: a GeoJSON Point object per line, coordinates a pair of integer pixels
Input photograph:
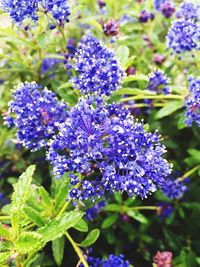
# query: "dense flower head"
{"type": "Point", "coordinates": [30, 10]}
{"type": "Point", "coordinates": [109, 149]}
{"type": "Point", "coordinates": [163, 259]}
{"type": "Point", "coordinates": [189, 10]}
{"type": "Point", "coordinates": [183, 36]}
{"type": "Point", "coordinates": [35, 114]}
{"type": "Point", "coordinates": [97, 67]}
{"type": "Point", "coordinates": [92, 212]}
{"type": "Point", "coordinates": [111, 261]}
{"type": "Point", "coordinates": [192, 101]}
{"type": "Point", "coordinates": [158, 82]}
{"type": "Point", "coordinates": [174, 188]}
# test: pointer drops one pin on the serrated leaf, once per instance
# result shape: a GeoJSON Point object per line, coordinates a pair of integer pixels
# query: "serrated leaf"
{"type": "Point", "coordinates": [58, 250]}
{"type": "Point", "coordinates": [45, 197]}
{"type": "Point", "coordinates": [168, 109]}
{"type": "Point", "coordinates": [137, 216]}
{"type": "Point", "coordinates": [34, 216]}
{"type": "Point", "coordinates": [4, 232]}
{"type": "Point", "coordinates": [29, 242]}
{"type": "Point", "coordinates": [22, 188]}
{"type": "Point", "coordinates": [91, 238]}
{"type": "Point", "coordinates": [61, 197]}
{"type": "Point", "coordinates": [81, 226]}
{"type": "Point", "coordinates": [109, 221]}
{"type": "Point", "coordinates": [136, 77]}
{"type": "Point", "coordinates": [57, 227]}
{"type": "Point", "coordinates": [122, 55]}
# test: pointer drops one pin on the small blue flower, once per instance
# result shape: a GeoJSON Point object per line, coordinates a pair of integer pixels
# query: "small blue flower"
{"type": "Point", "coordinates": [111, 261]}
{"type": "Point", "coordinates": [192, 101]}
{"type": "Point", "coordinates": [158, 81]}
{"type": "Point", "coordinates": [97, 68]}
{"type": "Point", "coordinates": [48, 64]}
{"type": "Point", "coordinates": [36, 115]}
{"type": "Point", "coordinates": [92, 212]}
{"type": "Point", "coordinates": [164, 210]}
{"type": "Point", "coordinates": [174, 188]}
{"type": "Point", "coordinates": [183, 36]}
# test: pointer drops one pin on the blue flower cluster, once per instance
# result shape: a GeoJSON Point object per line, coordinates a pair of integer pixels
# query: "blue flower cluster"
{"type": "Point", "coordinates": [30, 10]}
{"type": "Point", "coordinates": [192, 101]}
{"type": "Point", "coordinates": [158, 81]}
{"type": "Point", "coordinates": [166, 7]}
{"type": "Point", "coordinates": [189, 11]}
{"type": "Point", "coordinates": [36, 115]}
{"type": "Point", "coordinates": [97, 67]}
{"type": "Point", "coordinates": [184, 34]}
{"type": "Point", "coordinates": [112, 152]}
{"type": "Point", "coordinates": [174, 188]}
{"type": "Point", "coordinates": [112, 261]}
{"type": "Point", "coordinates": [92, 212]}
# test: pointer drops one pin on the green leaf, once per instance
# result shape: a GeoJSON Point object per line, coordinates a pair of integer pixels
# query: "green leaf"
{"type": "Point", "coordinates": [168, 109]}
{"type": "Point", "coordinates": [46, 199]}
{"type": "Point", "coordinates": [34, 216]}
{"type": "Point", "coordinates": [4, 257]}
{"type": "Point", "coordinates": [112, 207]}
{"type": "Point", "coordinates": [58, 246]}
{"type": "Point", "coordinates": [194, 153]}
{"type": "Point", "coordinates": [29, 242]}
{"type": "Point", "coordinates": [91, 238]}
{"type": "Point", "coordinates": [109, 221]}
{"type": "Point", "coordinates": [122, 55]}
{"type": "Point", "coordinates": [4, 232]}
{"type": "Point", "coordinates": [57, 227]}
{"type": "Point", "coordinates": [136, 77]}
{"type": "Point", "coordinates": [81, 226]}
{"type": "Point", "coordinates": [22, 188]}
{"type": "Point", "coordinates": [137, 216]}
{"type": "Point", "coordinates": [128, 91]}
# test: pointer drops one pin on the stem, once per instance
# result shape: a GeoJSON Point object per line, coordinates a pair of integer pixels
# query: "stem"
{"type": "Point", "coordinates": [143, 105]}
{"type": "Point", "coordinates": [63, 209]}
{"type": "Point", "coordinates": [138, 97]}
{"type": "Point", "coordinates": [190, 172]}
{"type": "Point", "coordinates": [144, 208]}
{"type": "Point", "coordinates": [77, 249]}
{"type": "Point", "coordinates": [2, 218]}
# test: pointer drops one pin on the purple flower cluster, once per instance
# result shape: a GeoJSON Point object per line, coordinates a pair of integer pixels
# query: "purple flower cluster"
{"type": "Point", "coordinates": [30, 10]}
{"type": "Point", "coordinates": [189, 11]}
{"type": "Point", "coordinates": [109, 149]}
{"type": "Point", "coordinates": [192, 101]}
{"type": "Point", "coordinates": [174, 188]}
{"type": "Point", "coordinates": [92, 212]}
{"type": "Point", "coordinates": [97, 68]}
{"type": "Point", "coordinates": [145, 16]}
{"type": "Point", "coordinates": [158, 81]}
{"type": "Point", "coordinates": [35, 114]}
{"type": "Point", "coordinates": [183, 36]}
{"type": "Point", "coordinates": [165, 7]}
{"type": "Point", "coordinates": [111, 261]}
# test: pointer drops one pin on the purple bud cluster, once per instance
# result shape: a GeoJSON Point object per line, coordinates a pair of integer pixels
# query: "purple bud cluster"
{"type": "Point", "coordinates": [145, 16]}
{"type": "Point", "coordinates": [166, 7]}
{"type": "Point", "coordinates": [97, 68]}
{"type": "Point", "coordinates": [192, 101]}
{"type": "Point", "coordinates": [164, 210]}
{"type": "Point", "coordinates": [36, 114]}
{"type": "Point", "coordinates": [112, 152]}
{"type": "Point", "coordinates": [30, 10]}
